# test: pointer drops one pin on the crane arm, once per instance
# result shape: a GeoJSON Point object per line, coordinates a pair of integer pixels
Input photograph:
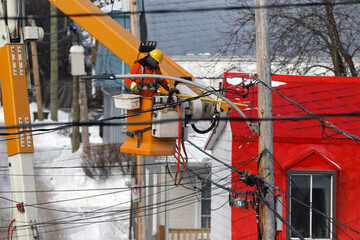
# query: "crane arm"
{"type": "Point", "coordinates": [111, 34]}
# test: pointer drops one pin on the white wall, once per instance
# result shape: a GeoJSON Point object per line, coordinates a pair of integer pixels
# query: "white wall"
{"type": "Point", "coordinates": [221, 218]}
{"type": "Point", "coordinates": [183, 204]}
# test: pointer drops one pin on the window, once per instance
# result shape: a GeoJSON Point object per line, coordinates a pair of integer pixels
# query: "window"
{"type": "Point", "coordinates": [316, 190]}
{"type": "Point", "coordinates": [206, 205]}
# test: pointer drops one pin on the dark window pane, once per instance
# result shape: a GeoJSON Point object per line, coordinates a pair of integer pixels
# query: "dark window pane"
{"type": "Point", "coordinates": [321, 200]}
{"type": "Point", "coordinates": [300, 214]}
{"type": "Point", "coordinates": [205, 222]}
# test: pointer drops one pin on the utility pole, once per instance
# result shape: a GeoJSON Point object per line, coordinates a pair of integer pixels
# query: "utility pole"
{"type": "Point", "coordinates": [141, 225]}
{"type": "Point", "coordinates": [266, 165]}
{"type": "Point", "coordinates": [140, 212]}
{"type": "Point", "coordinates": [75, 135]}
{"type": "Point", "coordinates": [36, 75]}
{"type": "Point", "coordinates": [13, 75]}
{"type": "Point", "coordinates": [54, 76]}
{"type": "Point", "coordinates": [84, 116]}
{"type": "Point", "coordinates": [167, 196]}
{"type": "Point", "coordinates": [78, 69]}
{"type": "Point", "coordinates": [135, 18]}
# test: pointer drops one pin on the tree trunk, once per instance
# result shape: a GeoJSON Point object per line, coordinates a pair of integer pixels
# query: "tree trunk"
{"type": "Point", "coordinates": [338, 52]}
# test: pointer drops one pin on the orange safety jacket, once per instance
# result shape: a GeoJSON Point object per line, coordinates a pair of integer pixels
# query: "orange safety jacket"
{"type": "Point", "coordinates": [148, 86]}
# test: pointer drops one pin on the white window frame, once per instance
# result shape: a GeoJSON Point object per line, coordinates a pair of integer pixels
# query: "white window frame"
{"type": "Point", "coordinates": [332, 200]}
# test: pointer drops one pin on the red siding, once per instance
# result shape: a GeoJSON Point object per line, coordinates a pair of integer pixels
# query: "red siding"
{"type": "Point", "coordinates": [298, 145]}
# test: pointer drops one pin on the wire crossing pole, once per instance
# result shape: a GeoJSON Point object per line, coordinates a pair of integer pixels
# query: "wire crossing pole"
{"type": "Point", "coordinates": [266, 166]}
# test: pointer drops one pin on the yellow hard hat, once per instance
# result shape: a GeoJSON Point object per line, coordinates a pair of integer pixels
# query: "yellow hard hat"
{"type": "Point", "coordinates": [157, 55]}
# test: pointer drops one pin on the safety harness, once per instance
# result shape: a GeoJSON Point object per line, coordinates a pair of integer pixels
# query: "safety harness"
{"type": "Point", "coordinates": [144, 86]}
{"type": "Point", "coordinates": [150, 86]}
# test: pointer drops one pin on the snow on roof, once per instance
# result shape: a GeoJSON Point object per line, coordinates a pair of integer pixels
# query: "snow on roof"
{"type": "Point", "coordinates": [76, 49]}
{"type": "Point", "coordinates": [116, 6]}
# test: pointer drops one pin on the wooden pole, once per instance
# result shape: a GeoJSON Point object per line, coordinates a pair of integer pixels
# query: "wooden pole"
{"type": "Point", "coordinates": [36, 75]}
{"type": "Point", "coordinates": [140, 204]}
{"type": "Point", "coordinates": [54, 76]}
{"type": "Point", "coordinates": [84, 117]}
{"type": "Point", "coordinates": [167, 195]}
{"type": "Point", "coordinates": [135, 18]}
{"type": "Point", "coordinates": [135, 30]}
{"type": "Point", "coordinates": [75, 136]}
{"type": "Point", "coordinates": [266, 165]}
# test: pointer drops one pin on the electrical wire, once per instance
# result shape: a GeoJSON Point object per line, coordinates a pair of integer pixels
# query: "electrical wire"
{"type": "Point", "coordinates": [205, 178]}
{"type": "Point", "coordinates": [201, 9]}
{"type": "Point", "coordinates": [324, 124]}
{"type": "Point", "coordinates": [293, 184]}
{"type": "Point", "coordinates": [311, 207]}
{"type": "Point", "coordinates": [292, 229]}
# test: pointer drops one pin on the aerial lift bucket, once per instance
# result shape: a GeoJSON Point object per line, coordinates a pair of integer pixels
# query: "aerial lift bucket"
{"type": "Point", "coordinates": [140, 139]}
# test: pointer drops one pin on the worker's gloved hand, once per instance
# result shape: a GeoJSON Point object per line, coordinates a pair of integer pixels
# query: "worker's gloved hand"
{"type": "Point", "coordinates": [135, 88]}
{"type": "Point", "coordinates": [173, 90]}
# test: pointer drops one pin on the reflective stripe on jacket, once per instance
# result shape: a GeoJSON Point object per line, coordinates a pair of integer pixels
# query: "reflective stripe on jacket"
{"type": "Point", "coordinates": [149, 87]}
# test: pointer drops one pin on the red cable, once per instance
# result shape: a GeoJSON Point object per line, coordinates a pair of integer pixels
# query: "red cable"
{"type": "Point", "coordinates": [12, 231]}
{"type": "Point", "coordinates": [178, 147]}
{"type": "Point", "coordinates": [185, 162]}
{"type": "Point", "coordinates": [12, 221]}
{"type": "Point", "coordinates": [180, 156]}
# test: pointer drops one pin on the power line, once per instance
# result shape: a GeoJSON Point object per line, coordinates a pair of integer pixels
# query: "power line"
{"type": "Point", "coordinates": [202, 9]}
{"type": "Point", "coordinates": [65, 125]}
{"type": "Point", "coordinates": [323, 123]}
{"type": "Point", "coordinates": [312, 208]}
{"type": "Point", "coordinates": [102, 216]}
{"type": "Point", "coordinates": [292, 229]}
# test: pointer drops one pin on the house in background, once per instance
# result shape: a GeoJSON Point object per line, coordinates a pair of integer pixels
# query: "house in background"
{"type": "Point", "coordinates": [175, 34]}
{"type": "Point", "coordinates": [236, 144]}
{"type": "Point", "coordinates": [314, 164]}
{"type": "Point", "coordinates": [108, 63]}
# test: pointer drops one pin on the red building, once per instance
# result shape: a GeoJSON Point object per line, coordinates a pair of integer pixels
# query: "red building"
{"type": "Point", "coordinates": [313, 162]}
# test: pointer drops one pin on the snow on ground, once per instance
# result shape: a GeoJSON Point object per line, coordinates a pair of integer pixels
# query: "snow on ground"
{"type": "Point", "coordinates": [86, 208]}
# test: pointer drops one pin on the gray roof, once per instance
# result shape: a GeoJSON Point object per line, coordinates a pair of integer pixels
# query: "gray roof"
{"type": "Point", "coordinates": [184, 33]}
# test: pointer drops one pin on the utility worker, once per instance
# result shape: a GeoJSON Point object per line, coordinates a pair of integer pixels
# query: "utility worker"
{"type": "Point", "coordinates": [147, 87]}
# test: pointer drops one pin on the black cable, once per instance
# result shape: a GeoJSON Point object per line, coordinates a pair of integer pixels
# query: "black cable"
{"type": "Point", "coordinates": [293, 184]}
{"type": "Point", "coordinates": [313, 209]}
{"type": "Point", "coordinates": [65, 125]}
{"type": "Point", "coordinates": [202, 9]}
{"type": "Point", "coordinates": [292, 229]}
{"type": "Point", "coordinates": [213, 122]}
{"type": "Point", "coordinates": [322, 122]}
{"type": "Point", "coordinates": [124, 189]}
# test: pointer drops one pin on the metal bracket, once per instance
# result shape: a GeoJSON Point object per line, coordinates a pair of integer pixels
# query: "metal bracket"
{"type": "Point", "coordinates": [254, 127]}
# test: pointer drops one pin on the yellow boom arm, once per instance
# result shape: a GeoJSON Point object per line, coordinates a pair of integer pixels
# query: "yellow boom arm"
{"type": "Point", "coordinates": [111, 34]}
